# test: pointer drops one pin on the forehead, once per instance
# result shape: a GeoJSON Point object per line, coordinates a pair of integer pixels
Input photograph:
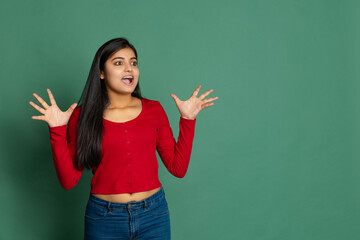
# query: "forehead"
{"type": "Point", "coordinates": [125, 53]}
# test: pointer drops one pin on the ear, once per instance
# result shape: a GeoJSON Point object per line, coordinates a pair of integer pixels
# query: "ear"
{"type": "Point", "coordinates": [102, 75]}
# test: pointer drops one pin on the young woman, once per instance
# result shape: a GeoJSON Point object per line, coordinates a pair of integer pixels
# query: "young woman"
{"type": "Point", "coordinates": [115, 132]}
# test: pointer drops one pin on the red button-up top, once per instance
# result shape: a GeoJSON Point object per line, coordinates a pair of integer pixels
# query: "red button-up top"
{"type": "Point", "coordinates": [129, 162]}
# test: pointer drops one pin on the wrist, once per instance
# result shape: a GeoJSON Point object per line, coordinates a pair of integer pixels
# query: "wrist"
{"type": "Point", "coordinates": [188, 118]}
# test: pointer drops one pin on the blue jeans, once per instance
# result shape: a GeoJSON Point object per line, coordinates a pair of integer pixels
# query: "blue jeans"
{"type": "Point", "coordinates": [145, 219]}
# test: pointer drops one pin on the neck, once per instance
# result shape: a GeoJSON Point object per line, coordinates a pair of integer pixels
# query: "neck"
{"type": "Point", "coordinates": [120, 100]}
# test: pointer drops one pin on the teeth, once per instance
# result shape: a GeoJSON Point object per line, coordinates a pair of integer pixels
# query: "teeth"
{"type": "Point", "coordinates": [129, 77]}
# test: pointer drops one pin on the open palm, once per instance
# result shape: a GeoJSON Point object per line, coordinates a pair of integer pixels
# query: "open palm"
{"type": "Point", "coordinates": [190, 108]}
{"type": "Point", "coordinates": [53, 116]}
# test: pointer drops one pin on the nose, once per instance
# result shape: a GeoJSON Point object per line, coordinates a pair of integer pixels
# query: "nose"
{"type": "Point", "coordinates": [128, 67]}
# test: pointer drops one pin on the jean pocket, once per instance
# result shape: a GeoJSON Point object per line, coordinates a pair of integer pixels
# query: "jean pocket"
{"type": "Point", "coordinates": [157, 208]}
{"type": "Point", "coordinates": [95, 212]}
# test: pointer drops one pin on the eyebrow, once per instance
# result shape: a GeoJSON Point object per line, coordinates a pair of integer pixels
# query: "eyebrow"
{"type": "Point", "coordinates": [122, 58]}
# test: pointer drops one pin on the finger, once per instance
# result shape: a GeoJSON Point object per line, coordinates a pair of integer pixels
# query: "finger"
{"type": "Point", "coordinates": [202, 96]}
{"type": "Point", "coordinates": [51, 97]}
{"type": "Point", "coordinates": [43, 103]}
{"type": "Point", "coordinates": [41, 110]}
{"type": "Point", "coordinates": [71, 108]}
{"type": "Point", "coordinates": [207, 105]}
{"type": "Point", "coordinates": [195, 93]}
{"type": "Point", "coordinates": [209, 99]}
{"type": "Point", "coordinates": [176, 99]}
{"type": "Point", "coordinates": [38, 118]}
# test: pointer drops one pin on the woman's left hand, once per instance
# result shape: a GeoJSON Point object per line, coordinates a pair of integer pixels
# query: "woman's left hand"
{"type": "Point", "coordinates": [190, 108]}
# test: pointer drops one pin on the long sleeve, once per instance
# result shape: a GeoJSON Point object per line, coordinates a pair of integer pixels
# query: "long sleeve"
{"type": "Point", "coordinates": [63, 147]}
{"type": "Point", "coordinates": [175, 156]}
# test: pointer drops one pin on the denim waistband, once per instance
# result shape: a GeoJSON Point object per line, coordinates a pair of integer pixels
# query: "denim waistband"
{"type": "Point", "coordinates": [132, 204]}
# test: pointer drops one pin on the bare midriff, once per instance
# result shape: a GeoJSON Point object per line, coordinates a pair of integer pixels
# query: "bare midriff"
{"type": "Point", "coordinates": [127, 197]}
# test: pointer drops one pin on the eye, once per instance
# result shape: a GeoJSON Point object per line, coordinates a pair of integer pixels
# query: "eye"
{"type": "Point", "coordinates": [134, 63]}
{"type": "Point", "coordinates": [118, 64]}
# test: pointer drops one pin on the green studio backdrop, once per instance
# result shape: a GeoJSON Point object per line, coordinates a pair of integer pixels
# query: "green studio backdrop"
{"type": "Point", "coordinates": [276, 157]}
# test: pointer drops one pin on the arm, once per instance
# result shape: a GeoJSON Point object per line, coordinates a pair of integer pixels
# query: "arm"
{"type": "Point", "coordinates": [175, 156]}
{"type": "Point", "coordinates": [63, 147]}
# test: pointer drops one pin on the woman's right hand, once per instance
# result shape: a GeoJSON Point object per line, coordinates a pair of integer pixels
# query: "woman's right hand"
{"type": "Point", "coordinates": [52, 114]}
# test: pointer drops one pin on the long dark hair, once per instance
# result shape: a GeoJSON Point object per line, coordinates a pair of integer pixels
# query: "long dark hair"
{"type": "Point", "coordinates": [94, 100]}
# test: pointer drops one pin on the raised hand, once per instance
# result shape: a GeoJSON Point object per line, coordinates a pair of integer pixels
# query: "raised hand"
{"type": "Point", "coordinates": [190, 108]}
{"type": "Point", "coordinates": [53, 116]}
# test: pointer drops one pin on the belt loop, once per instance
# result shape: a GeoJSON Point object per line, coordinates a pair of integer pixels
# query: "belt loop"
{"type": "Point", "coordinates": [108, 207]}
{"type": "Point", "coordinates": [144, 204]}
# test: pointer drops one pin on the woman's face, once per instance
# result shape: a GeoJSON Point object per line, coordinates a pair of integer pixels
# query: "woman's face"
{"type": "Point", "coordinates": [122, 63]}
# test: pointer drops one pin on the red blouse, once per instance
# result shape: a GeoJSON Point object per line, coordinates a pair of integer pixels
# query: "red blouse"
{"type": "Point", "coordinates": [129, 162]}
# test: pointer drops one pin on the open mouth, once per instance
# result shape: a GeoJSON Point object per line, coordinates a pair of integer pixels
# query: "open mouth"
{"type": "Point", "coordinates": [128, 80]}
